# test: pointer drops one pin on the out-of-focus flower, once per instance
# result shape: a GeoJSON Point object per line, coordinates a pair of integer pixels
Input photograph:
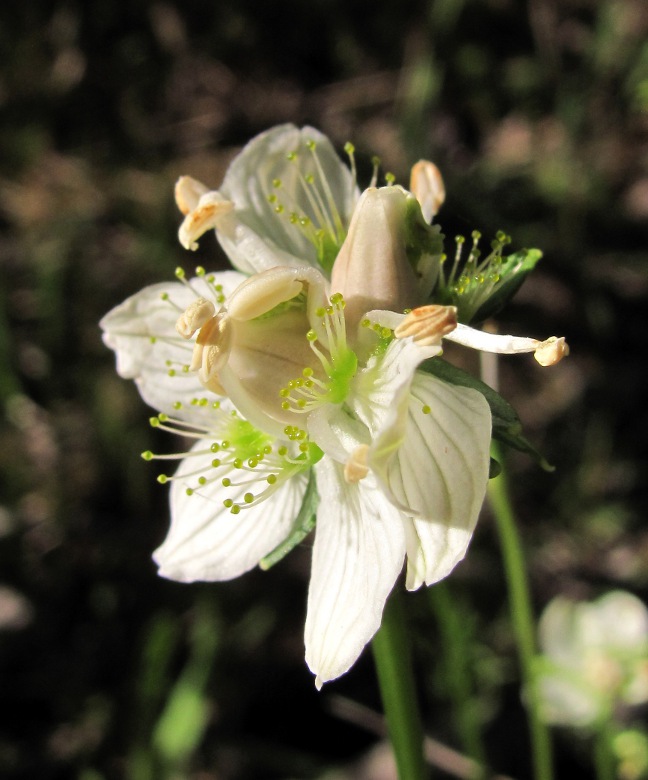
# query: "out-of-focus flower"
{"type": "Point", "coordinates": [595, 659]}
{"type": "Point", "coordinates": [631, 750]}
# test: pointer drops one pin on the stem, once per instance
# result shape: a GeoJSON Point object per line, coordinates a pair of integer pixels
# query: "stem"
{"type": "Point", "coordinates": [521, 617]}
{"type": "Point", "coordinates": [604, 761]}
{"type": "Point", "coordinates": [451, 621]}
{"type": "Point", "coordinates": [396, 680]}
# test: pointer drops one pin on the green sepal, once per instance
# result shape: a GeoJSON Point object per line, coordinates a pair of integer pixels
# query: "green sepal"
{"type": "Point", "coordinates": [494, 469]}
{"type": "Point", "coordinates": [507, 426]}
{"type": "Point", "coordinates": [421, 238]}
{"type": "Point", "coordinates": [514, 270]}
{"type": "Point", "coordinates": [303, 525]}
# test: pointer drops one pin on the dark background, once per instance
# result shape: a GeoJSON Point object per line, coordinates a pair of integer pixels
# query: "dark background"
{"type": "Point", "coordinates": [537, 114]}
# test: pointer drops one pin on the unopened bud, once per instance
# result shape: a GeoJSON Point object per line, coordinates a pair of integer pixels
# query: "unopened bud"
{"type": "Point", "coordinates": [426, 183]}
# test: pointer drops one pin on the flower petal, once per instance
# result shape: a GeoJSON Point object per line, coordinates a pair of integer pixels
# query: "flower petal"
{"type": "Point", "coordinates": [358, 554]}
{"type": "Point", "coordinates": [258, 233]}
{"type": "Point", "coordinates": [206, 541]}
{"type": "Point", "coordinates": [438, 474]}
{"type": "Point", "coordinates": [141, 331]}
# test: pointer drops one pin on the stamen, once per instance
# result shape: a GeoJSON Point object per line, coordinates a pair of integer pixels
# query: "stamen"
{"type": "Point", "coordinates": [349, 148]}
{"type": "Point", "coordinates": [551, 351]}
{"type": "Point", "coordinates": [471, 286]}
{"type": "Point", "coordinates": [356, 467]}
{"type": "Point", "coordinates": [428, 324]}
{"type": "Point", "coordinates": [194, 317]}
{"type": "Point", "coordinates": [426, 183]}
{"type": "Point", "coordinates": [316, 214]}
{"type": "Point", "coordinates": [307, 392]}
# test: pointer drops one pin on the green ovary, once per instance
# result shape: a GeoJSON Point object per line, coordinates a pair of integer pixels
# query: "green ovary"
{"type": "Point", "coordinates": [245, 440]}
{"type": "Point", "coordinates": [342, 372]}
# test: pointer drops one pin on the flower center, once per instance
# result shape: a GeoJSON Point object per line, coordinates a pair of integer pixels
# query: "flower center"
{"type": "Point", "coordinates": [330, 381]}
{"type": "Point", "coordinates": [307, 202]}
{"type": "Point", "coordinates": [239, 457]}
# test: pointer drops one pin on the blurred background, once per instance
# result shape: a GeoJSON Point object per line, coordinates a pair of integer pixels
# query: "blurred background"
{"type": "Point", "coordinates": [537, 114]}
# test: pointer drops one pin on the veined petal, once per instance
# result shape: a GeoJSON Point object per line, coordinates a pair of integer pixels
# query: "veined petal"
{"type": "Point", "coordinates": [381, 389]}
{"type": "Point", "coordinates": [438, 474]}
{"type": "Point", "coordinates": [357, 556]}
{"type": "Point", "coordinates": [141, 331]}
{"type": "Point", "coordinates": [206, 541]}
{"type": "Point", "coordinates": [267, 183]}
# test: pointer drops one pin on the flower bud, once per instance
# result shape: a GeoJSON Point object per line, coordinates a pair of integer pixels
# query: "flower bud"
{"type": "Point", "coordinates": [426, 183]}
{"type": "Point", "coordinates": [372, 270]}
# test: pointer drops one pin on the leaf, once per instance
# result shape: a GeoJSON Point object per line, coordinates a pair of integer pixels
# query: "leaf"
{"type": "Point", "coordinates": [507, 426]}
{"type": "Point", "coordinates": [304, 524]}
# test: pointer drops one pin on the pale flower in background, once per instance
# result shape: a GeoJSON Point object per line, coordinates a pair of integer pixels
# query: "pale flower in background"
{"type": "Point", "coordinates": [595, 659]}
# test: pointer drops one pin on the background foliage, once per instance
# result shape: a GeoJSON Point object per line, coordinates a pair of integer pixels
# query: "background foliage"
{"type": "Point", "coordinates": [537, 114]}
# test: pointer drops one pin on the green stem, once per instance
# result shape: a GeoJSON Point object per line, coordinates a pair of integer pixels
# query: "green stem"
{"type": "Point", "coordinates": [603, 757]}
{"type": "Point", "coordinates": [521, 618]}
{"type": "Point", "coordinates": [393, 665]}
{"type": "Point", "coordinates": [451, 621]}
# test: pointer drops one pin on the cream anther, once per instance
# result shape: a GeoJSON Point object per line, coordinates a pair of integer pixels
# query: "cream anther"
{"type": "Point", "coordinates": [188, 192]}
{"type": "Point", "coordinates": [426, 183]}
{"type": "Point", "coordinates": [211, 351]}
{"type": "Point", "coordinates": [262, 292]}
{"type": "Point", "coordinates": [356, 467]}
{"type": "Point", "coordinates": [211, 207]}
{"type": "Point", "coordinates": [551, 351]}
{"type": "Point", "coordinates": [428, 324]}
{"type": "Point", "coordinates": [196, 315]}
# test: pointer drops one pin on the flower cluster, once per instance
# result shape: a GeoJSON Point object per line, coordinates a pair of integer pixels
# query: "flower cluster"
{"type": "Point", "coordinates": [302, 379]}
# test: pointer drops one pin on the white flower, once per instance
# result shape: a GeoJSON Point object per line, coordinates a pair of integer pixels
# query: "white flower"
{"type": "Point", "coordinates": [286, 200]}
{"type": "Point", "coordinates": [595, 658]}
{"type": "Point", "coordinates": [283, 377]}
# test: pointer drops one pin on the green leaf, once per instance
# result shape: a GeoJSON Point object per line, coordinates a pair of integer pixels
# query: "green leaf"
{"type": "Point", "coordinates": [303, 525]}
{"type": "Point", "coordinates": [507, 426]}
{"type": "Point", "coordinates": [514, 270]}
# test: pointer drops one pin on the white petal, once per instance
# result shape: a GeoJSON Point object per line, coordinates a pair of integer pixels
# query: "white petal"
{"type": "Point", "coordinates": [249, 182]}
{"type": "Point", "coordinates": [380, 391]}
{"type": "Point", "coordinates": [438, 473]}
{"type": "Point", "coordinates": [141, 331]}
{"type": "Point", "coordinates": [206, 541]}
{"type": "Point", "coordinates": [336, 432]}
{"type": "Point", "coordinates": [358, 554]}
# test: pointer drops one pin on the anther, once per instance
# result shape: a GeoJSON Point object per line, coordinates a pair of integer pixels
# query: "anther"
{"type": "Point", "coordinates": [428, 324]}
{"type": "Point", "coordinates": [356, 467]}
{"type": "Point", "coordinates": [551, 351]}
